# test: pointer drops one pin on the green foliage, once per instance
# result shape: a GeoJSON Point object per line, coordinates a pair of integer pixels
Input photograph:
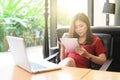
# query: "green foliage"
{"type": "Point", "coordinates": [21, 18]}
{"type": "Point", "coordinates": [1, 37]}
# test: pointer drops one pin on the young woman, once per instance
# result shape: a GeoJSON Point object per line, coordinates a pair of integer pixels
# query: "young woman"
{"type": "Point", "coordinates": [91, 48]}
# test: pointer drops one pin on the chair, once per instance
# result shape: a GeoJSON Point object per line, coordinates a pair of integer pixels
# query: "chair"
{"type": "Point", "coordinates": [106, 39]}
{"type": "Point", "coordinates": [108, 44]}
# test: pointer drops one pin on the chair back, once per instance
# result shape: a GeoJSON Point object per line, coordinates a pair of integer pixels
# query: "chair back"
{"type": "Point", "coordinates": [106, 39]}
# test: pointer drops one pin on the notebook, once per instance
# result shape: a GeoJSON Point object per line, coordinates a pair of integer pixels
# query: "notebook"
{"type": "Point", "coordinates": [20, 55]}
{"type": "Point", "coordinates": [70, 43]}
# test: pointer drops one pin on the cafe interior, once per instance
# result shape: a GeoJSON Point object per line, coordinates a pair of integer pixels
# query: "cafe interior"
{"type": "Point", "coordinates": [104, 16]}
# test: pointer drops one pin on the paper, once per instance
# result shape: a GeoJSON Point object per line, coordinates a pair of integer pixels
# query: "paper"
{"type": "Point", "coordinates": [70, 44]}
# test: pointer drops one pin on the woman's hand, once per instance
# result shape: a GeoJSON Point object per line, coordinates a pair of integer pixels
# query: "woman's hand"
{"type": "Point", "coordinates": [62, 45]}
{"type": "Point", "coordinates": [63, 54]}
{"type": "Point", "coordinates": [100, 59]}
{"type": "Point", "coordinates": [81, 51]}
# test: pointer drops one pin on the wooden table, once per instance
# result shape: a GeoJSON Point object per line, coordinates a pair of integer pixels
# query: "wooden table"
{"type": "Point", "coordinates": [102, 75]}
{"type": "Point", "coordinates": [67, 73]}
{"type": "Point", "coordinates": [9, 71]}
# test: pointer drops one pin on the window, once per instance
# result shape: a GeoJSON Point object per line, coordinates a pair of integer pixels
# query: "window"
{"type": "Point", "coordinates": [68, 8]}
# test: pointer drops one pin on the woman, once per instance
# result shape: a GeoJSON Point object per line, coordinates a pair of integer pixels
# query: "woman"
{"type": "Point", "coordinates": [91, 48]}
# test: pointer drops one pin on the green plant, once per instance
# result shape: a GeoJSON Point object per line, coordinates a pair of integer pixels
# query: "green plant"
{"type": "Point", "coordinates": [1, 37]}
{"type": "Point", "coordinates": [22, 18]}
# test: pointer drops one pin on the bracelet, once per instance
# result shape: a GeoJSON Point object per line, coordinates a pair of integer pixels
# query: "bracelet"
{"type": "Point", "coordinates": [90, 58]}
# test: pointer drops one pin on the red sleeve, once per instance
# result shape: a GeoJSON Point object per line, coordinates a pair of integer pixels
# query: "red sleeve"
{"type": "Point", "coordinates": [99, 47]}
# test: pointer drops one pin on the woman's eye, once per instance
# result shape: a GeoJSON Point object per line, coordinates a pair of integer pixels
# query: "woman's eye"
{"type": "Point", "coordinates": [80, 25]}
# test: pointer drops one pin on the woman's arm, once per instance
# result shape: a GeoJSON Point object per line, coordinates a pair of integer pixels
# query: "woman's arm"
{"type": "Point", "coordinates": [100, 59]}
{"type": "Point", "coordinates": [63, 53]}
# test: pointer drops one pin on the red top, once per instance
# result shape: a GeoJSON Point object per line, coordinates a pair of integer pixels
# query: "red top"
{"type": "Point", "coordinates": [95, 48]}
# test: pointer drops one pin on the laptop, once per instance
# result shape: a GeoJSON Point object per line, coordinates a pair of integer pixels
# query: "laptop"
{"type": "Point", "coordinates": [20, 55]}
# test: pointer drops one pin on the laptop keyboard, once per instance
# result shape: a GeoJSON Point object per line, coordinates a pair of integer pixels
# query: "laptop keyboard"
{"type": "Point", "coordinates": [36, 66]}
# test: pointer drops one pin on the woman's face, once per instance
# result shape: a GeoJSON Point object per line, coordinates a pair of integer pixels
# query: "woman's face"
{"type": "Point", "coordinates": [80, 28]}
